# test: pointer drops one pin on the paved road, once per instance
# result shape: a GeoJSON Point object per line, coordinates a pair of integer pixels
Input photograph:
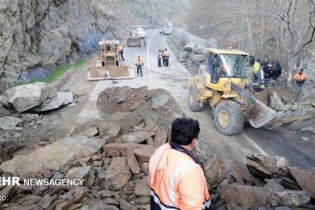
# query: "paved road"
{"type": "Point", "coordinates": [174, 79]}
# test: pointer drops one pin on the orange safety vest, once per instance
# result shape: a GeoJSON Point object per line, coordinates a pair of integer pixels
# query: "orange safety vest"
{"type": "Point", "coordinates": [166, 53]}
{"type": "Point", "coordinates": [139, 62]}
{"type": "Point", "coordinates": [300, 77]}
{"type": "Point", "coordinates": [119, 48]}
{"type": "Point", "coordinates": [177, 181]}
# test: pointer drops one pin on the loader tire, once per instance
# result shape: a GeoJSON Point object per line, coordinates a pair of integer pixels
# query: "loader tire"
{"type": "Point", "coordinates": [194, 103]}
{"type": "Point", "coordinates": [229, 118]}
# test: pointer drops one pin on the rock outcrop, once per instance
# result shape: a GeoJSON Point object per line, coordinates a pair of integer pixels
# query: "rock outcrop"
{"type": "Point", "coordinates": [46, 33]}
{"type": "Point", "coordinates": [38, 35]}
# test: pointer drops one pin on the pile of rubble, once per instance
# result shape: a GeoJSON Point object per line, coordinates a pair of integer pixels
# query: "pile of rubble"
{"type": "Point", "coordinates": [110, 156]}
{"type": "Point", "coordinates": [264, 183]}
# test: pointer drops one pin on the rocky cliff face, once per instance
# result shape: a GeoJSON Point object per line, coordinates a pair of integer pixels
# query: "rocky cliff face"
{"type": "Point", "coordinates": [45, 33]}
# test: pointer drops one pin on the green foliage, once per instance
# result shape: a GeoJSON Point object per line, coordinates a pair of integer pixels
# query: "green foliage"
{"type": "Point", "coordinates": [173, 43]}
{"type": "Point", "coordinates": [57, 73]}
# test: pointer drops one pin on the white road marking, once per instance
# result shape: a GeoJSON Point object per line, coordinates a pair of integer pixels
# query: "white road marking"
{"type": "Point", "coordinates": [95, 92]}
{"type": "Point", "coordinates": [90, 109]}
{"type": "Point", "coordinates": [148, 60]}
{"type": "Point", "coordinates": [255, 145]}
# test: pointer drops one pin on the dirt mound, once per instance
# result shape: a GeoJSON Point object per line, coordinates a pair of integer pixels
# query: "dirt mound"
{"type": "Point", "coordinates": [156, 107]}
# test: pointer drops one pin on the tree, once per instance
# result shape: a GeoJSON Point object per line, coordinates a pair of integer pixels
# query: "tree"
{"type": "Point", "coordinates": [280, 29]}
{"type": "Point", "coordinates": [296, 28]}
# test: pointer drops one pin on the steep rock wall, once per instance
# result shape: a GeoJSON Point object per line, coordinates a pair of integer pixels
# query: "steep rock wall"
{"type": "Point", "coordinates": [45, 33]}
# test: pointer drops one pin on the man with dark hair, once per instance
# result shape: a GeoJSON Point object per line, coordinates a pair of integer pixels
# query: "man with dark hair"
{"type": "Point", "coordinates": [159, 58]}
{"type": "Point", "coordinates": [300, 78]}
{"type": "Point", "coordinates": [166, 57]}
{"type": "Point", "coordinates": [139, 63]}
{"type": "Point", "coordinates": [276, 69]}
{"type": "Point", "coordinates": [176, 176]}
{"type": "Point", "coordinates": [266, 69]}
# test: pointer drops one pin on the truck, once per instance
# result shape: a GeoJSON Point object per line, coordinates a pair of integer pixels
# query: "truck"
{"type": "Point", "coordinates": [108, 64]}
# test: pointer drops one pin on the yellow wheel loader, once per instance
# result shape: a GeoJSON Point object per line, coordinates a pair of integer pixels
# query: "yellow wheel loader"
{"type": "Point", "coordinates": [108, 65]}
{"type": "Point", "coordinates": [135, 39]}
{"type": "Point", "coordinates": [223, 83]}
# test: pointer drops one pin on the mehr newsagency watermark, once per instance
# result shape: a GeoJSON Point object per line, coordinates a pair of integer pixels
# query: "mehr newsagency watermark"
{"type": "Point", "coordinates": [14, 180]}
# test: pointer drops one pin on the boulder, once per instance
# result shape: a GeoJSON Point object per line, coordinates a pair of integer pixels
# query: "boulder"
{"type": "Point", "coordinates": [9, 123]}
{"type": "Point", "coordinates": [7, 149]}
{"type": "Point", "coordinates": [126, 120]}
{"type": "Point", "coordinates": [159, 101]}
{"type": "Point", "coordinates": [215, 171]}
{"type": "Point", "coordinates": [161, 136]}
{"type": "Point", "coordinates": [124, 205]}
{"type": "Point", "coordinates": [142, 187]}
{"type": "Point", "coordinates": [248, 197]}
{"type": "Point", "coordinates": [199, 57]}
{"type": "Point", "coordinates": [3, 111]}
{"type": "Point", "coordinates": [189, 47]}
{"type": "Point", "coordinates": [132, 162]}
{"type": "Point", "coordinates": [62, 98]}
{"type": "Point", "coordinates": [183, 56]}
{"type": "Point", "coordinates": [305, 179]}
{"type": "Point", "coordinates": [264, 167]}
{"type": "Point", "coordinates": [78, 172]}
{"type": "Point", "coordinates": [142, 152]}
{"type": "Point", "coordinates": [275, 101]}
{"type": "Point", "coordinates": [200, 50]}
{"type": "Point", "coordinates": [24, 97]}
{"type": "Point", "coordinates": [52, 156]}
{"type": "Point", "coordinates": [118, 174]}
{"type": "Point", "coordinates": [136, 137]}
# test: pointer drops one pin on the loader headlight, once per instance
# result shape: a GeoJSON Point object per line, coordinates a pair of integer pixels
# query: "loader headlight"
{"type": "Point", "coordinates": [227, 85]}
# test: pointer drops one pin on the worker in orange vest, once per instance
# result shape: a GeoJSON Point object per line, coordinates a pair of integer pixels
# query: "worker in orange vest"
{"type": "Point", "coordinates": [176, 176]}
{"type": "Point", "coordinates": [139, 63]}
{"type": "Point", "coordinates": [166, 57]}
{"type": "Point", "coordinates": [300, 78]}
{"type": "Point", "coordinates": [120, 52]}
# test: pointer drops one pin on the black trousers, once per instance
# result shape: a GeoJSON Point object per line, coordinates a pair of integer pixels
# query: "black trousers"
{"type": "Point", "coordinates": [139, 70]}
{"type": "Point", "coordinates": [164, 61]}
{"type": "Point", "coordinates": [122, 55]}
{"type": "Point", "coordinates": [159, 62]}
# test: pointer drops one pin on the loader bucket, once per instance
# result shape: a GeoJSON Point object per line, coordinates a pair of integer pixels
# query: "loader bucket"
{"type": "Point", "coordinates": [258, 114]}
{"type": "Point", "coordinates": [134, 42]}
{"type": "Point", "coordinates": [110, 72]}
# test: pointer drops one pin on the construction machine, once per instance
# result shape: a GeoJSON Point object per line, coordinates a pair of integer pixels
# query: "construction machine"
{"type": "Point", "coordinates": [108, 65]}
{"type": "Point", "coordinates": [134, 40]}
{"type": "Point", "coordinates": [223, 83]}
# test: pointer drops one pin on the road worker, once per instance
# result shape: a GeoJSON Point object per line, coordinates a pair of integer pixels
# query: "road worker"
{"type": "Point", "coordinates": [300, 78]}
{"type": "Point", "coordinates": [256, 69]}
{"type": "Point", "coordinates": [176, 176]}
{"type": "Point", "coordinates": [166, 57]}
{"type": "Point", "coordinates": [159, 58]}
{"type": "Point", "coordinates": [120, 52]}
{"type": "Point", "coordinates": [139, 63]}
{"type": "Point", "coordinates": [163, 60]}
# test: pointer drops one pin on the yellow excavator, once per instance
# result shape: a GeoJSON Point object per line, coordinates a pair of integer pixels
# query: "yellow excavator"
{"type": "Point", "coordinates": [223, 83]}
{"type": "Point", "coordinates": [109, 64]}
